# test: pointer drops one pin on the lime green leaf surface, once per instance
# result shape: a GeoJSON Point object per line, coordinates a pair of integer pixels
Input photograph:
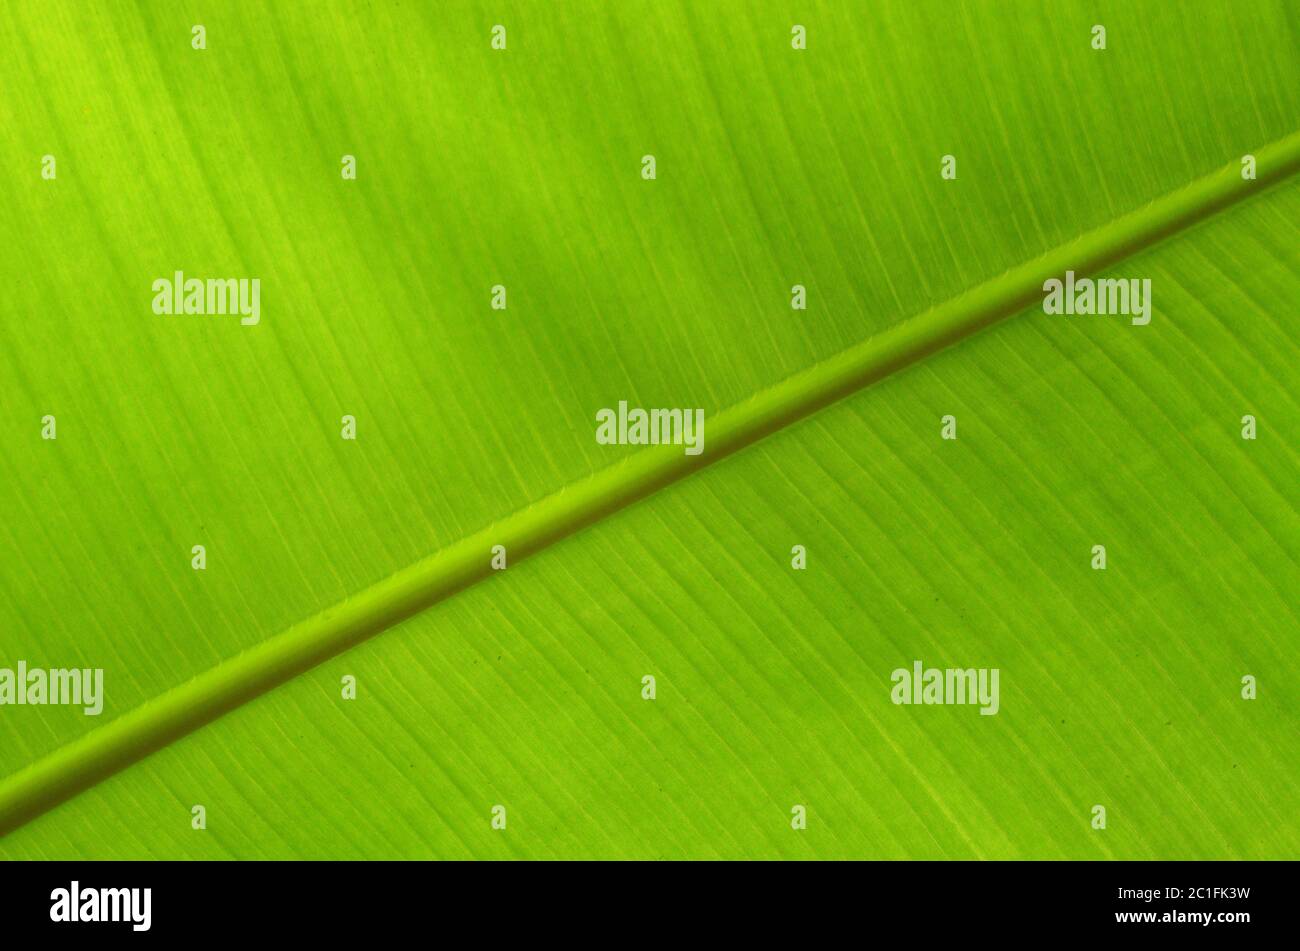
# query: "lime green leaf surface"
{"type": "Point", "coordinates": [775, 167]}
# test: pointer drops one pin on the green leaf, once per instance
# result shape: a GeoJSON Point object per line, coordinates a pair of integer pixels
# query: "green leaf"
{"type": "Point", "coordinates": [775, 167]}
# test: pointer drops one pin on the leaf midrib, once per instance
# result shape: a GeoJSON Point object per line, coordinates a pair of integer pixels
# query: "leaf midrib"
{"type": "Point", "coordinates": [105, 750]}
